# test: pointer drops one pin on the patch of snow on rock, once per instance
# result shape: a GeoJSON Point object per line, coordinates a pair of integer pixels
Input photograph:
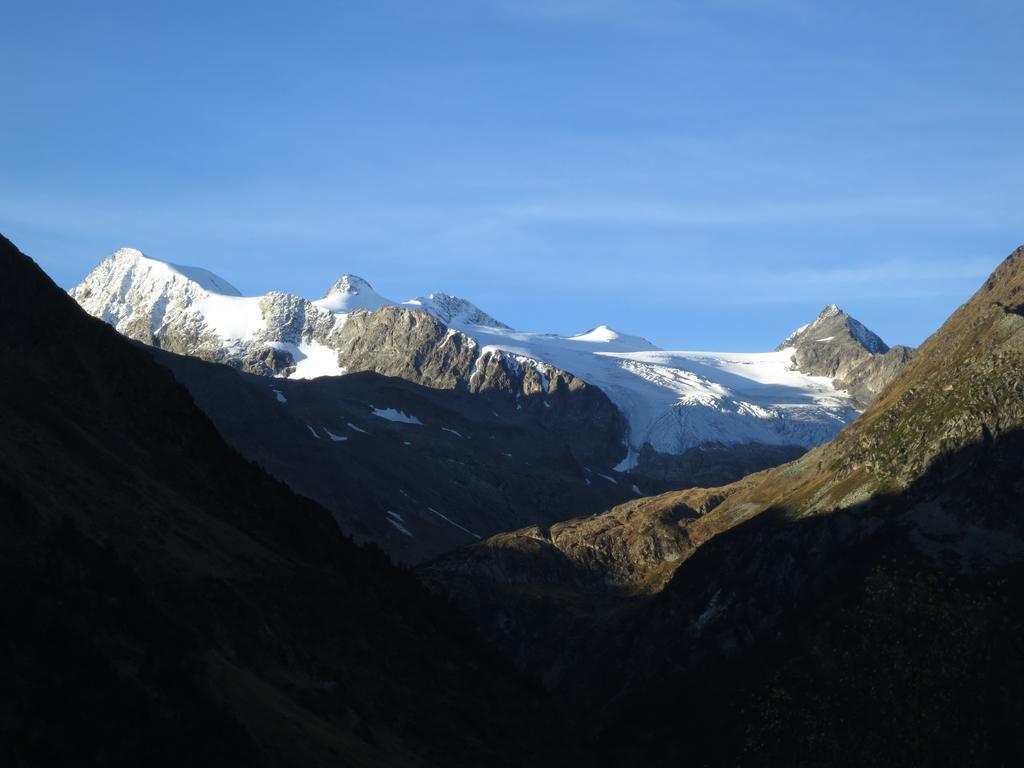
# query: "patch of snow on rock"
{"type": "Point", "coordinates": [390, 414]}
{"type": "Point", "coordinates": [452, 522]}
{"type": "Point", "coordinates": [396, 520]}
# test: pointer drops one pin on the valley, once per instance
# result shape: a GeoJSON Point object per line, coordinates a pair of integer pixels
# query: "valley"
{"type": "Point", "coordinates": [546, 548]}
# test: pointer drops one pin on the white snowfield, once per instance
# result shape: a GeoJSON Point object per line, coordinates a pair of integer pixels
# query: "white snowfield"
{"type": "Point", "coordinates": [390, 414]}
{"type": "Point", "coordinates": [672, 400]}
{"type": "Point", "coordinates": [680, 400]}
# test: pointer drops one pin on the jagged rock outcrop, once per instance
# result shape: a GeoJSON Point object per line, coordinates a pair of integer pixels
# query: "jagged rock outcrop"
{"type": "Point", "coordinates": [411, 345]}
{"type": "Point", "coordinates": [454, 310]}
{"type": "Point", "coordinates": [868, 378]}
{"type": "Point", "coordinates": [839, 347]}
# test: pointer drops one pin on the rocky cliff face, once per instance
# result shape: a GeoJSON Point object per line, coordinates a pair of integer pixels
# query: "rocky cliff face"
{"type": "Point", "coordinates": [408, 344]}
{"type": "Point", "coordinates": [840, 347]}
{"type": "Point", "coordinates": [454, 310]}
{"type": "Point", "coordinates": [867, 379]}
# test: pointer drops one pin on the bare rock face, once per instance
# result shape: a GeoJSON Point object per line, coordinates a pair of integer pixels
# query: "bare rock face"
{"type": "Point", "coordinates": [454, 310]}
{"type": "Point", "coordinates": [407, 344]}
{"type": "Point", "coordinates": [873, 374]}
{"type": "Point", "coordinates": [415, 346]}
{"type": "Point", "coordinates": [840, 347]}
{"type": "Point", "coordinates": [294, 320]}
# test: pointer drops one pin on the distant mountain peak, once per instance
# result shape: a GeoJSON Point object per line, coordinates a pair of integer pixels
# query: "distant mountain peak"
{"type": "Point", "coordinates": [834, 324]}
{"type": "Point", "coordinates": [130, 270]}
{"type": "Point", "coordinates": [349, 284]}
{"type": "Point", "coordinates": [840, 347]}
{"type": "Point", "coordinates": [132, 258]}
{"type": "Point", "coordinates": [122, 254]}
{"type": "Point", "coordinates": [350, 292]}
{"type": "Point", "coordinates": [599, 333]}
{"type": "Point", "coordinates": [454, 310]}
{"type": "Point", "coordinates": [830, 311]}
{"type": "Point", "coordinates": [605, 334]}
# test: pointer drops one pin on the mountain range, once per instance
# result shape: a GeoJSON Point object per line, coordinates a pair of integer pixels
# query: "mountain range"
{"type": "Point", "coordinates": [684, 418]}
{"type": "Point", "coordinates": [855, 602]}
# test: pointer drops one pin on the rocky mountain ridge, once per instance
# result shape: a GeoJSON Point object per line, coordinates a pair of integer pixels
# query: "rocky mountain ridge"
{"type": "Point", "coordinates": [686, 417]}
{"type": "Point", "coordinates": [189, 311]}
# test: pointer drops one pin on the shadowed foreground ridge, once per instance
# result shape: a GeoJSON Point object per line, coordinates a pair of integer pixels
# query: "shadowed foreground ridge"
{"type": "Point", "coordinates": [168, 603]}
{"type": "Point", "coordinates": [862, 605]}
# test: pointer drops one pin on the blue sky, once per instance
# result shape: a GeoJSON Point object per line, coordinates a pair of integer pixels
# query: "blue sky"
{"type": "Point", "coordinates": [707, 174]}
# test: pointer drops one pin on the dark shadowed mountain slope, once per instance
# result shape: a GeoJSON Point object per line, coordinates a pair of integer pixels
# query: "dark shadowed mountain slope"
{"type": "Point", "coordinates": [167, 603]}
{"type": "Point", "coordinates": [862, 605]}
{"type": "Point", "coordinates": [416, 470]}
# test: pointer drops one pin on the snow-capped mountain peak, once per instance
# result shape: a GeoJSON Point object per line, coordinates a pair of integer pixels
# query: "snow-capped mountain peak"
{"type": "Point", "coordinates": [135, 267]}
{"type": "Point", "coordinates": [193, 311]}
{"type": "Point", "coordinates": [139, 295]}
{"type": "Point", "coordinates": [670, 401]}
{"type": "Point", "coordinates": [453, 310]}
{"type": "Point", "coordinates": [604, 334]}
{"type": "Point", "coordinates": [350, 292]}
{"type": "Point", "coordinates": [830, 311]}
{"type": "Point", "coordinates": [349, 283]}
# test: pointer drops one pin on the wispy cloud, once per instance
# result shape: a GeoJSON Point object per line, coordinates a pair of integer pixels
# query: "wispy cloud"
{"type": "Point", "coordinates": [870, 278]}
{"type": "Point", "coordinates": [658, 213]}
{"type": "Point", "coordinates": [879, 279]}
